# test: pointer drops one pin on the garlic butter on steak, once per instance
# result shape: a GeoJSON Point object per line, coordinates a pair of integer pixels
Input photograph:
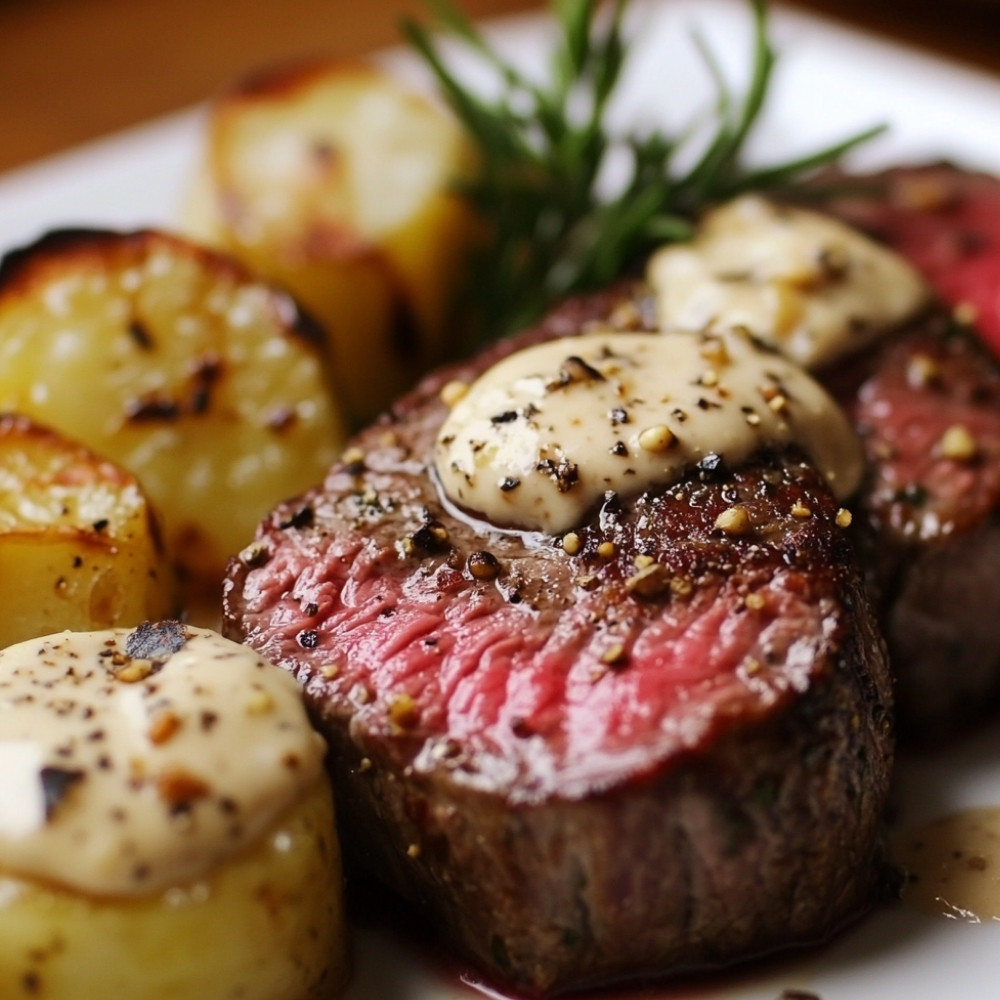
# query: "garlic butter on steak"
{"type": "Point", "coordinates": [891, 296]}
{"type": "Point", "coordinates": [813, 287]}
{"type": "Point", "coordinates": [539, 438]}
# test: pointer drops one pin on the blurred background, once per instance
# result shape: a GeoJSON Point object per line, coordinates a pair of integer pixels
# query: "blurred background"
{"type": "Point", "coordinates": [74, 70]}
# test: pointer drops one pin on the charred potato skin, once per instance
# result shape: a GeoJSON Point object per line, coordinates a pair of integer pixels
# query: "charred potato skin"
{"type": "Point", "coordinates": [80, 545]}
{"type": "Point", "coordinates": [213, 388]}
{"type": "Point", "coordinates": [283, 187]}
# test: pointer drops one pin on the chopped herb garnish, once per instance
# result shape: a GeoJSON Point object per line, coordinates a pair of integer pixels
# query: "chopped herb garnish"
{"type": "Point", "coordinates": [156, 640]}
{"type": "Point", "coordinates": [56, 782]}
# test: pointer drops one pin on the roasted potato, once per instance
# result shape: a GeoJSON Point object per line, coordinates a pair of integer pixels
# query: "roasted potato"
{"type": "Point", "coordinates": [267, 926]}
{"type": "Point", "coordinates": [206, 384]}
{"type": "Point", "coordinates": [338, 182]}
{"type": "Point", "coordinates": [163, 839]}
{"type": "Point", "coordinates": [79, 544]}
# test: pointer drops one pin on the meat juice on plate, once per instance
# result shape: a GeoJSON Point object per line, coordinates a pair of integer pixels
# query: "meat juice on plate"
{"type": "Point", "coordinates": [952, 865]}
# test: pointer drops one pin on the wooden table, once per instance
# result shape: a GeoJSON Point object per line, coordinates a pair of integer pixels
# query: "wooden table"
{"type": "Point", "coordinates": [73, 70]}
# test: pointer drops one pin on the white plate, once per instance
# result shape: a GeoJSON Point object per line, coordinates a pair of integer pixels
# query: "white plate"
{"type": "Point", "coordinates": [829, 82]}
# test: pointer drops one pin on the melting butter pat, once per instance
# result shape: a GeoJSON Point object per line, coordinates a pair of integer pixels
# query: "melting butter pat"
{"type": "Point", "coordinates": [541, 436]}
{"type": "Point", "coordinates": [811, 286]}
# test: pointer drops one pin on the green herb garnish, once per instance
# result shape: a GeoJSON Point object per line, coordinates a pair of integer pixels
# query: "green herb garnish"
{"type": "Point", "coordinates": [543, 147]}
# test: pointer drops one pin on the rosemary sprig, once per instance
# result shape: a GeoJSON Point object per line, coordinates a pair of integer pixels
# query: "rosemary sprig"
{"type": "Point", "coordinates": [543, 147]}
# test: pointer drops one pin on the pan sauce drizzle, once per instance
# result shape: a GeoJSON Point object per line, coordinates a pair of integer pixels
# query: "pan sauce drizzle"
{"type": "Point", "coordinates": [952, 865]}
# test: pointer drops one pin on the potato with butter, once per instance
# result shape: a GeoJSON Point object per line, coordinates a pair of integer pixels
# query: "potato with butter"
{"type": "Point", "coordinates": [267, 926]}
{"type": "Point", "coordinates": [338, 181]}
{"type": "Point", "coordinates": [80, 547]}
{"type": "Point", "coordinates": [208, 385]}
{"type": "Point", "coordinates": [167, 827]}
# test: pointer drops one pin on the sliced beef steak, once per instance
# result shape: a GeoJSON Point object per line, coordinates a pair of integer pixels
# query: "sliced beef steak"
{"type": "Point", "coordinates": [928, 405]}
{"type": "Point", "coordinates": [946, 220]}
{"type": "Point", "coordinates": [646, 747]}
{"type": "Point", "coordinates": [928, 408]}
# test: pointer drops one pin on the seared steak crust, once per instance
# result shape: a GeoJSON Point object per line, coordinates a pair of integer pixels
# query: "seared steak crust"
{"type": "Point", "coordinates": [651, 747]}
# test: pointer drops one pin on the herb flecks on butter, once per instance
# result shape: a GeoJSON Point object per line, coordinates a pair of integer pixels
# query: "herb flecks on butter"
{"type": "Point", "coordinates": [571, 419]}
{"type": "Point", "coordinates": [136, 760]}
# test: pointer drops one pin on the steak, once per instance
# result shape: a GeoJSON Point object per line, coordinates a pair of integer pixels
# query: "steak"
{"type": "Point", "coordinates": [928, 406]}
{"type": "Point", "coordinates": [946, 221]}
{"type": "Point", "coordinates": [657, 748]}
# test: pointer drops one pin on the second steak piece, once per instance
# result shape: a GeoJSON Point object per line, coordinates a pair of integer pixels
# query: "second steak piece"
{"type": "Point", "coordinates": [927, 403]}
{"type": "Point", "coordinates": [646, 746]}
